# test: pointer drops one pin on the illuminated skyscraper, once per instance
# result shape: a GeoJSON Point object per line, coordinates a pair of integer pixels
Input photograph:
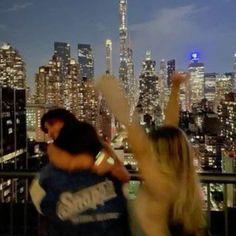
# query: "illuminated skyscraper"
{"type": "Point", "coordinates": [126, 69]}
{"type": "Point", "coordinates": [41, 81]}
{"type": "Point", "coordinates": [55, 84]}
{"type": "Point", "coordinates": [86, 61]}
{"type": "Point", "coordinates": [196, 81]}
{"type": "Point", "coordinates": [163, 84]}
{"type": "Point", "coordinates": [227, 114]}
{"type": "Point", "coordinates": [71, 88]}
{"type": "Point", "coordinates": [34, 113]}
{"type": "Point", "coordinates": [132, 85]}
{"type": "Point", "coordinates": [51, 92]}
{"type": "Point", "coordinates": [163, 72]}
{"type": "Point", "coordinates": [88, 103]}
{"type": "Point", "coordinates": [33, 116]}
{"type": "Point", "coordinates": [184, 96]}
{"type": "Point", "coordinates": [62, 50]}
{"type": "Point", "coordinates": [148, 103]}
{"type": "Point", "coordinates": [224, 85]}
{"type": "Point", "coordinates": [106, 124]}
{"type": "Point", "coordinates": [123, 71]}
{"type": "Point", "coordinates": [48, 83]}
{"type": "Point", "coordinates": [210, 86]}
{"type": "Point", "coordinates": [12, 67]}
{"type": "Point", "coordinates": [108, 56]}
{"type": "Point", "coordinates": [29, 95]}
{"type": "Point", "coordinates": [210, 90]}
{"type": "Point", "coordinates": [170, 71]}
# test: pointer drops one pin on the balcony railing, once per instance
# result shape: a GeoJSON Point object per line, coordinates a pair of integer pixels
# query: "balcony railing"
{"type": "Point", "coordinates": [19, 217]}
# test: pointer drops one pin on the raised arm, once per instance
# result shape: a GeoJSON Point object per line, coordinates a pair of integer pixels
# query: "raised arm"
{"type": "Point", "coordinates": [140, 144]}
{"type": "Point", "coordinates": [119, 105]}
{"type": "Point", "coordinates": [172, 108]}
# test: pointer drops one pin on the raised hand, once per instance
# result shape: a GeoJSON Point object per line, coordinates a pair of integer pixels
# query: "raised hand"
{"type": "Point", "coordinates": [104, 163]}
{"type": "Point", "coordinates": [172, 108]}
{"type": "Point", "coordinates": [178, 78]}
{"type": "Point", "coordinates": [107, 162]}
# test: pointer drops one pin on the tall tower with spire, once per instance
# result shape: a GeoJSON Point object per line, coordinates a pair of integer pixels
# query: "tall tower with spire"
{"type": "Point", "coordinates": [123, 32]}
{"type": "Point", "coordinates": [126, 70]}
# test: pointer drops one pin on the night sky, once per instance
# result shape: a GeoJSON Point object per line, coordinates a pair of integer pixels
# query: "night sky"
{"type": "Point", "coordinates": [170, 28]}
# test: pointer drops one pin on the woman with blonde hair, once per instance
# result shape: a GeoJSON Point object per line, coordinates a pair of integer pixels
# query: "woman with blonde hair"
{"type": "Point", "coordinates": [168, 202]}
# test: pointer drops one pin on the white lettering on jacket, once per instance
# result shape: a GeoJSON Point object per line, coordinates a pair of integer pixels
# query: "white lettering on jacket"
{"type": "Point", "coordinates": [72, 204]}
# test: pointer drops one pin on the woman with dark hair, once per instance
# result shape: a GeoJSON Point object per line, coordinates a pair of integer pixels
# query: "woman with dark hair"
{"type": "Point", "coordinates": [76, 200]}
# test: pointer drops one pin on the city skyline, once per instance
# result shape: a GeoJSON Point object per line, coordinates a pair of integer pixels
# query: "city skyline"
{"type": "Point", "coordinates": [63, 65]}
{"type": "Point", "coordinates": [170, 30]}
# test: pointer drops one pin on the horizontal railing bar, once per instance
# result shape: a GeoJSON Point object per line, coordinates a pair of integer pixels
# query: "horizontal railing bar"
{"type": "Point", "coordinates": [18, 174]}
{"type": "Point", "coordinates": [225, 178]}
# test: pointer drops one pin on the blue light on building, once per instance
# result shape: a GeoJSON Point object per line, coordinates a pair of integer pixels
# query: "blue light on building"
{"type": "Point", "coordinates": [195, 57]}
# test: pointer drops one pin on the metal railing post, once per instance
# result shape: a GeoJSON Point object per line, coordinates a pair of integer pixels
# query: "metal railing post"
{"type": "Point", "coordinates": [208, 205]}
{"type": "Point", "coordinates": [226, 210]}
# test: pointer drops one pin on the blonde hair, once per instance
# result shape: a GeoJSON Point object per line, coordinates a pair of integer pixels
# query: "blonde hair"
{"type": "Point", "coordinates": [175, 157]}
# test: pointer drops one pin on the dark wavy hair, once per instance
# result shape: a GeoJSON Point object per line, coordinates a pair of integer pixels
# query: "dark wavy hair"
{"type": "Point", "coordinates": [75, 136]}
{"type": "Point", "coordinates": [58, 114]}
